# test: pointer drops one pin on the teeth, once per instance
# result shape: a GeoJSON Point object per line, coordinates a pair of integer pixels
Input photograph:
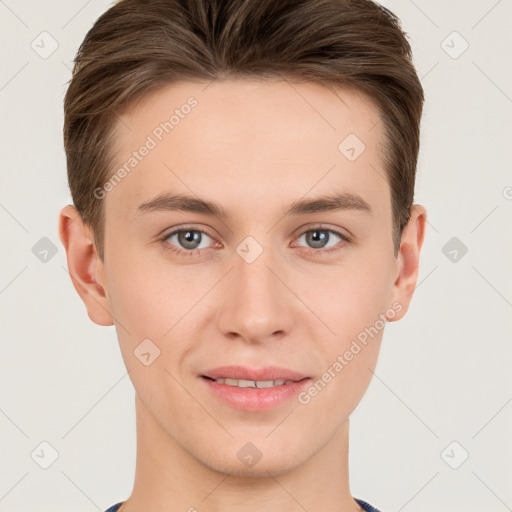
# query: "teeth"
{"type": "Point", "coordinates": [243, 383]}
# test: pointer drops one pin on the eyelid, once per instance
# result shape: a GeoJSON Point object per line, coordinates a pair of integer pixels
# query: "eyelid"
{"type": "Point", "coordinates": [344, 233]}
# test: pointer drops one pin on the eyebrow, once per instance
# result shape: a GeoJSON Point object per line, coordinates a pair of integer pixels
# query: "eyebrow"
{"type": "Point", "coordinates": [326, 203]}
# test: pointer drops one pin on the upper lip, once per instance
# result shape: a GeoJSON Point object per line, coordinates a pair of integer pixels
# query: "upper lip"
{"type": "Point", "coordinates": [263, 374]}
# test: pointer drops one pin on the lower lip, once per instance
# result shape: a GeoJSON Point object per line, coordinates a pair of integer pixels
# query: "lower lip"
{"type": "Point", "coordinates": [256, 399]}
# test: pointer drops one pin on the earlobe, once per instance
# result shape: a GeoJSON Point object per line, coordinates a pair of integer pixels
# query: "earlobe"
{"type": "Point", "coordinates": [84, 265]}
{"type": "Point", "coordinates": [408, 260]}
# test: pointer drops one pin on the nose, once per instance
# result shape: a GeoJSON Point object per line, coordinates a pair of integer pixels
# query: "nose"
{"type": "Point", "coordinates": [256, 304]}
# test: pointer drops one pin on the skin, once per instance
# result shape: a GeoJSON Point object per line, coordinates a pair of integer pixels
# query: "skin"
{"type": "Point", "coordinates": [253, 146]}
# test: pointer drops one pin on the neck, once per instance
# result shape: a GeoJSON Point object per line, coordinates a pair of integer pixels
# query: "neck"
{"type": "Point", "coordinates": [167, 478]}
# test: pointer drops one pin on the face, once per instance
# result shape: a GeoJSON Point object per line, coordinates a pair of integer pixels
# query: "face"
{"type": "Point", "coordinates": [269, 283]}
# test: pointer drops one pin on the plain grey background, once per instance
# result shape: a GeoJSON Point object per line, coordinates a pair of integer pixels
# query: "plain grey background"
{"type": "Point", "coordinates": [430, 434]}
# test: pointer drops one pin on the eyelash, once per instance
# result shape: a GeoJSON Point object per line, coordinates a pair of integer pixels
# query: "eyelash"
{"type": "Point", "coordinates": [199, 252]}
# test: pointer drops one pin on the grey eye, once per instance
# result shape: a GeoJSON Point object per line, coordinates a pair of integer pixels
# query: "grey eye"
{"type": "Point", "coordinates": [318, 238]}
{"type": "Point", "coordinates": [189, 239]}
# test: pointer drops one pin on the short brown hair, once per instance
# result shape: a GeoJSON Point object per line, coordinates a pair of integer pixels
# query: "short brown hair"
{"type": "Point", "coordinates": [138, 46]}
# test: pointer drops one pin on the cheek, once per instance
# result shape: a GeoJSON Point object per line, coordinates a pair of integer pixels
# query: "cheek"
{"type": "Point", "coordinates": [153, 298]}
{"type": "Point", "coordinates": [350, 297]}
{"type": "Point", "coordinates": [351, 301]}
{"type": "Point", "coordinates": [142, 298]}
{"type": "Point", "coordinates": [351, 306]}
{"type": "Point", "coordinates": [148, 302]}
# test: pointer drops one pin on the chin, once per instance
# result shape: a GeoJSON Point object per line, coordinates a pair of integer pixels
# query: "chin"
{"type": "Point", "coordinates": [246, 460]}
{"type": "Point", "coordinates": [261, 469]}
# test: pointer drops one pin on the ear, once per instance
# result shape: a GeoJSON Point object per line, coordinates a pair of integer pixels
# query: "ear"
{"type": "Point", "coordinates": [408, 260]}
{"type": "Point", "coordinates": [85, 267]}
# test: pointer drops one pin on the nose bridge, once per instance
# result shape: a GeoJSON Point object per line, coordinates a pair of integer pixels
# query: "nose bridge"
{"type": "Point", "coordinates": [256, 305]}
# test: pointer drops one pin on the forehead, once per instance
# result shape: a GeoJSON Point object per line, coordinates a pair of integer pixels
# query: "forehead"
{"type": "Point", "coordinates": [241, 107]}
{"type": "Point", "coordinates": [256, 138]}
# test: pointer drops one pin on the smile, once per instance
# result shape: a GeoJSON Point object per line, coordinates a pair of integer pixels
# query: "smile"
{"type": "Point", "coordinates": [244, 383]}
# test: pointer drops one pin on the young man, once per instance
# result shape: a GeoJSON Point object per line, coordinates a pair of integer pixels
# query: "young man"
{"type": "Point", "coordinates": [242, 174]}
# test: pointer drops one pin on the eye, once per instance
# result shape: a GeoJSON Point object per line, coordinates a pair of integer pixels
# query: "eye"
{"type": "Point", "coordinates": [193, 242]}
{"type": "Point", "coordinates": [319, 237]}
{"type": "Point", "coordinates": [187, 241]}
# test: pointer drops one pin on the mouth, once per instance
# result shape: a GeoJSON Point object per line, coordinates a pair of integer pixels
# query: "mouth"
{"type": "Point", "coordinates": [259, 384]}
{"type": "Point", "coordinates": [254, 390]}
{"type": "Point", "coordinates": [243, 373]}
